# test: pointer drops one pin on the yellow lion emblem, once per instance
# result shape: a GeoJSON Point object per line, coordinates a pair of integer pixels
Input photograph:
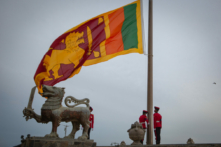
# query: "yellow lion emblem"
{"type": "Point", "coordinates": [71, 54]}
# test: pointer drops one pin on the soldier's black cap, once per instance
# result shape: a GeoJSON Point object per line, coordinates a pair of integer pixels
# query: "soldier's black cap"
{"type": "Point", "coordinates": [157, 108]}
{"type": "Point", "coordinates": [145, 111]}
{"type": "Point", "coordinates": [91, 108]}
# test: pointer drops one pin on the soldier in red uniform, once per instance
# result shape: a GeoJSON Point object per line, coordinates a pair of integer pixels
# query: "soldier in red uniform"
{"type": "Point", "coordinates": [157, 123]}
{"type": "Point", "coordinates": [142, 120]}
{"type": "Point", "coordinates": [91, 119]}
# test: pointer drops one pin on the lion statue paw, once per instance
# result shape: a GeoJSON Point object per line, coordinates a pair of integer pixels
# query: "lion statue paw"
{"type": "Point", "coordinates": [52, 135]}
{"type": "Point", "coordinates": [82, 138]}
{"type": "Point", "coordinates": [69, 136]}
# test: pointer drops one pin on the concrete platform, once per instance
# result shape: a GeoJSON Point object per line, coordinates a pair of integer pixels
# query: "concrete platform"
{"type": "Point", "coordinates": [171, 145]}
{"type": "Point", "coordinates": [56, 142]}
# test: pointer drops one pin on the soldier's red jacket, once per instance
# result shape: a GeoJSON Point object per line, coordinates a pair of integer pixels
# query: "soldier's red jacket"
{"type": "Point", "coordinates": [142, 120]}
{"type": "Point", "coordinates": [157, 120]}
{"type": "Point", "coordinates": [91, 119]}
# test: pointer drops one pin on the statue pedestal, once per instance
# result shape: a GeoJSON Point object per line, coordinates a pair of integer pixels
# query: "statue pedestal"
{"type": "Point", "coordinates": [56, 142]}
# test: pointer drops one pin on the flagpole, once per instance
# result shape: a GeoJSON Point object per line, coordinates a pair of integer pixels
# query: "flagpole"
{"type": "Point", "coordinates": [150, 75]}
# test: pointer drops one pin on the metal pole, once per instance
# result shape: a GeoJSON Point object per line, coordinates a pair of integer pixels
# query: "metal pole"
{"type": "Point", "coordinates": [150, 75]}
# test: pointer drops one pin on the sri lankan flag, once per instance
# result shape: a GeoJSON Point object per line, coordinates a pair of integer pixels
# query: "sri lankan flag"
{"type": "Point", "coordinates": [99, 39]}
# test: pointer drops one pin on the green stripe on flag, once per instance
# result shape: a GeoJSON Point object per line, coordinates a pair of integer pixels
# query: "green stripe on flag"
{"type": "Point", "coordinates": [129, 28]}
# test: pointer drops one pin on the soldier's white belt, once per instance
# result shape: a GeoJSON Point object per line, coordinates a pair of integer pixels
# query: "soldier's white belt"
{"type": "Point", "coordinates": [142, 122]}
{"type": "Point", "coordinates": [157, 121]}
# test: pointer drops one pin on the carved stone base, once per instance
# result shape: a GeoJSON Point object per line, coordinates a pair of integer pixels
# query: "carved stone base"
{"type": "Point", "coordinates": [56, 142]}
{"type": "Point", "coordinates": [136, 143]}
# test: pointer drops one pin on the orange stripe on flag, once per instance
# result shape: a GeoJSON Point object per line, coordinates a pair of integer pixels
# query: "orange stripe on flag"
{"type": "Point", "coordinates": [115, 43]}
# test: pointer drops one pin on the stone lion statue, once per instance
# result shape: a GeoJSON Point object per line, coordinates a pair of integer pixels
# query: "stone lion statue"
{"type": "Point", "coordinates": [52, 110]}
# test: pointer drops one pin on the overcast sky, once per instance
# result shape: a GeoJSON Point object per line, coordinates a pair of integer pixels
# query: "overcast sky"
{"type": "Point", "coordinates": [186, 62]}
